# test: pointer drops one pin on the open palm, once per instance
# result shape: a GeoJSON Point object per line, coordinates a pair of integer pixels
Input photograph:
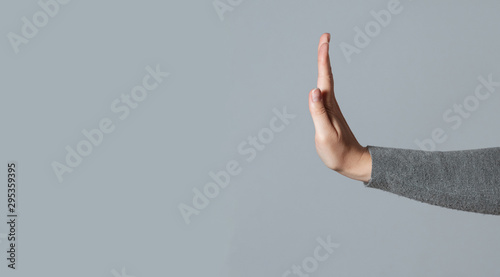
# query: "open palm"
{"type": "Point", "coordinates": [335, 143]}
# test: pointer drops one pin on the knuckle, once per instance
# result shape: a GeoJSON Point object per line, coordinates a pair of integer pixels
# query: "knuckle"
{"type": "Point", "coordinates": [319, 111]}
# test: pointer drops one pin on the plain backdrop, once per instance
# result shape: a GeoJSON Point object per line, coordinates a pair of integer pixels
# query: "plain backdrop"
{"type": "Point", "coordinates": [116, 214]}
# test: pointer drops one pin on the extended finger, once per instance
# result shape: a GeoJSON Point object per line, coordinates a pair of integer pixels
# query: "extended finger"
{"type": "Point", "coordinates": [325, 76]}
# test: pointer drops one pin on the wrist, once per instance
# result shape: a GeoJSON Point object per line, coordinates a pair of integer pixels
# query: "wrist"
{"type": "Point", "coordinates": [360, 168]}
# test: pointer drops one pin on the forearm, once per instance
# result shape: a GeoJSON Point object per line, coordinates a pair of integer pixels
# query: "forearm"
{"type": "Point", "coordinates": [466, 180]}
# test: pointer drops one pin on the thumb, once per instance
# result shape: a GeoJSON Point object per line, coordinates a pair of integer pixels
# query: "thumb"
{"type": "Point", "coordinates": [322, 123]}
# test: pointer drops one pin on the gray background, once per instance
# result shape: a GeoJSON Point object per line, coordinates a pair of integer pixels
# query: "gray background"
{"type": "Point", "coordinates": [119, 208]}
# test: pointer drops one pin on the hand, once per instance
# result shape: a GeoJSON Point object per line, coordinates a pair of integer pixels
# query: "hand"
{"type": "Point", "coordinates": [335, 143]}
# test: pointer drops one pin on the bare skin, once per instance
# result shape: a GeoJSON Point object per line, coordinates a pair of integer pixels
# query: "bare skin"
{"type": "Point", "coordinates": [335, 143]}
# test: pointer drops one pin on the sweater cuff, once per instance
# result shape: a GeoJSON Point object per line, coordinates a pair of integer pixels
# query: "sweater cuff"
{"type": "Point", "coordinates": [372, 179]}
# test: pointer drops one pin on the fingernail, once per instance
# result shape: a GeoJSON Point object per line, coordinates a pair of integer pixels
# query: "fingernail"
{"type": "Point", "coordinates": [316, 95]}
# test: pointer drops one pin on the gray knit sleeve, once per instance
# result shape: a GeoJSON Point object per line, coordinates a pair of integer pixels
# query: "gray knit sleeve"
{"type": "Point", "coordinates": [467, 180]}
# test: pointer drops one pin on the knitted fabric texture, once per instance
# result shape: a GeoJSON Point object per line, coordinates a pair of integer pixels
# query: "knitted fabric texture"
{"type": "Point", "coordinates": [467, 180]}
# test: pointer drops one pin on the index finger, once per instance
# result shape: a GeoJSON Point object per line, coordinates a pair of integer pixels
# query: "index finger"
{"type": "Point", "coordinates": [325, 76]}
